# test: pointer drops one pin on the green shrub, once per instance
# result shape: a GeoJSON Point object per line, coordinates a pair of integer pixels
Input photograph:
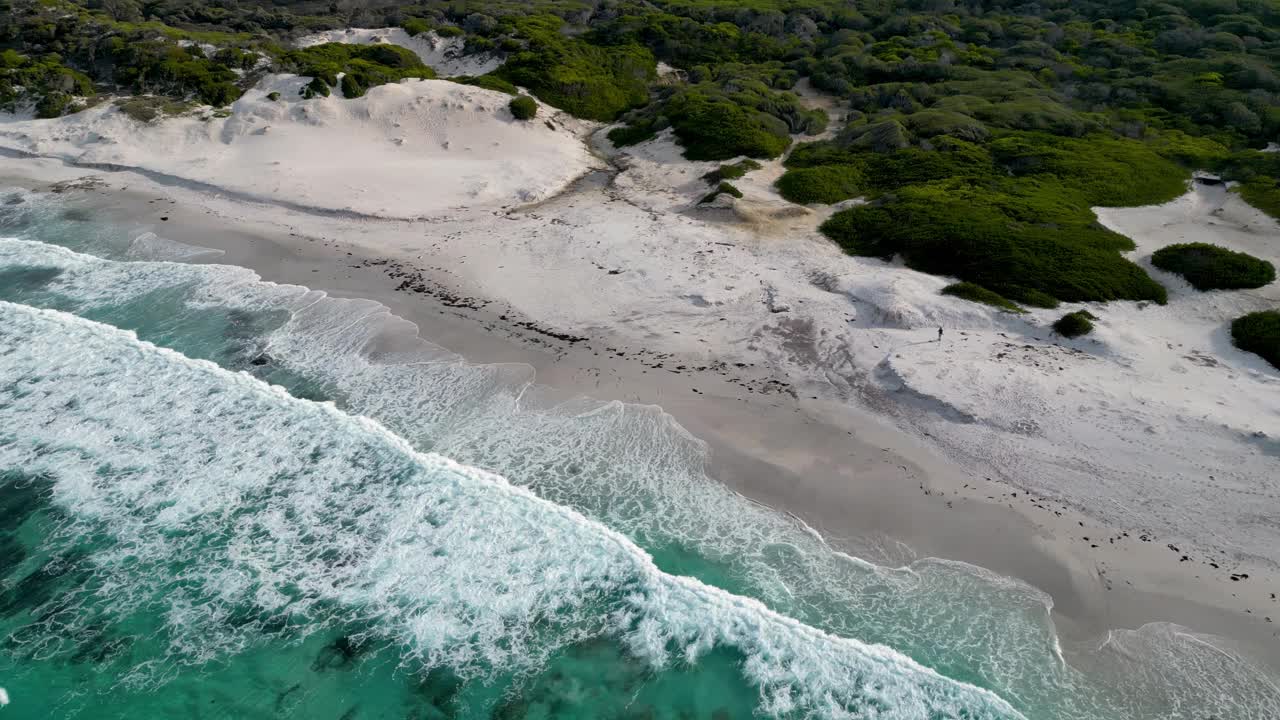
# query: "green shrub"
{"type": "Point", "coordinates": [145, 108]}
{"type": "Point", "coordinates": [585, 80]}
{"type": "Point", "coordinates": [628, 135]}
{"type": "Point", "coordinates": [1109, 171]}
{"type": "Point", "coordinates": [488, 82]}
{"type": "Point", "coordinates": [1074, 324]}
{"type": "Point", "coordinates": [931, 123]}
{"type": "Point", "coordinates": [1028, 296]}
{"type": "Point", "coordinates": [415, 26]}
{"type": "Point", "coordinates": [1036, 112]}
{"type": "Point", "coordinates": [825, 184]}
{"type": "Point", "coordinates": [1209, 267]}
{"type": "Point", "coordinates": [273, 96]}
{"type": "Point", "coordinates": [1188, 150]}
{"type": "Point", "coordinates": [523, 107]}
{"type": "Point", "coordinates": [45, 80]}
{"type": "Point", "coordinates": [884, 136]}
{"type": "Point", "coordinates": [158, 66]}
{"type": "Point", "coordinates": [979, 294]}
{"type": "Point", "coordinates": [352, 87]}
{"type": "Point", "coordinates": [361, 66]}
{"type": "Point", "coordinates": [729, 110]}
{"type": "Point", "coordinates": [714, 128]}
{"type": "Point", "coordinates": [52, 105]}
{"type": "Point", "coordinates": [731, 172]}
{"type": "Point", "coordinates": [1262, 192]}
{"type": "Point", "coordinates": [723, 189]}
{"type": "Point", "coordinates": [1006, 234]}
{"type": "Point", "coordinates": [1259, 333]}
{"type": "Point", "coordinates": [316, 88]}
{"type": "Point", "coordinates": [885, 171]}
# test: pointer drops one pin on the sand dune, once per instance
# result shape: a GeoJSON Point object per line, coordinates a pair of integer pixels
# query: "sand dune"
{"type": "Point", "coordinates": [408, 150]}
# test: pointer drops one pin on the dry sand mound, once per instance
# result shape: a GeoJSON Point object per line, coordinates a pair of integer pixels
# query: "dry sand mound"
{"type": "Point", "coordinates": [407, 150]}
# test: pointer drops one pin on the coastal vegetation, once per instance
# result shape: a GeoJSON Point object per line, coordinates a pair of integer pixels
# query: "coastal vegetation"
{"type": "Point", "coordinates": [727, 111]}
{"type": "Point", "coordinates": [825, 184]}
{"type": "Point", "coordinates": [488, 82]}
{"type": "Point", "coordinates": [1263, 193]}
{"type": "Point", "coordinates": [979, 294]}
{"type": "Point", "coordinates": [585, 79]}
{"type": "Point", "coordinates": [1074, 324]}
{"type": "Point", "coordinates": [523, 107]}
{"type": "Point", "coordinates": [1012, 214]}
{"type": "Point", "coordinates": [724, 188]}
{"type": "Point", "coordinates": [731, 172]}
{"type": "Point", "coordinates": [1032, 240]}
{"type": "Point", "coordinates": [1258, 174]}
{"type": "Point", "coordinates": [980, 135]}
{"type": "Point", "coordinates": [360, 67]}
{"type": "Point", "coordinates": [146, 108]}
{"type": "Point", "coordinates": [1209, 267]}
{"type": "Point", "coordinates": [1259, 333]}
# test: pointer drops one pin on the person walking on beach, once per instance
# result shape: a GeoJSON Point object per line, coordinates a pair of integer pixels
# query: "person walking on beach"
{"type": "Point", "coordinates": [939, 333]}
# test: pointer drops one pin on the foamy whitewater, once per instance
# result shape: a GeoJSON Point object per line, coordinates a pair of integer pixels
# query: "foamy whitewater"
{"type": "Point", "coordinates": [224, 496]}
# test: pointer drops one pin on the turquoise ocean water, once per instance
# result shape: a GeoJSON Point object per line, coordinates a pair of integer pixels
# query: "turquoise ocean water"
{"type": "Point", "coordinates": [225, 498]}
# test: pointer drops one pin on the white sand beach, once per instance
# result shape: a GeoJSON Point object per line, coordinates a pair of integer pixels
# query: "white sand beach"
{"type": "Point", "coordinates": [1131, 474]}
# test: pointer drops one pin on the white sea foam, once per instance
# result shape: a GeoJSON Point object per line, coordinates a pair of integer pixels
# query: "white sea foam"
{"type": "Point", "coordinates": [149, 246]}
{"type": "Point", "coordinates": [296, 509]}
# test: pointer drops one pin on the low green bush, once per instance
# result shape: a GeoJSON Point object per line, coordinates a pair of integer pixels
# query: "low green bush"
{"type": "Point", "coordinates": [488, 82]}
{"type": "Point", "coordinates": [1259, 333]}
{"type": "Point", "coordinates": [1209, 267]}
{"type": "Point", "coordinates": [824, 184]}
{"type": "Point", "coordinates": [45, 80]}
{"type": "Point", "coordinates": [145, 108]}
{"type": "Point", "coordinates": [53, 104]}
{"type": "Point", "coordinates": [1027, 296]}
{"type": "Point", "coordinates": [881, 137]}
{"type": "Point", "coordinates": [585, 80]}
{"type": "Point", "coordinates": [714, 128]}
{"type": "Point", "coordinates": [1074, 324]}
{"type": "Point", "coordinates": [361, 66]}
{"type": "Point", "coordinates": [879, 172]}
{"type": "Point", "coordinates": [628, 135]}
{"type": "Point", "coordinates": [1109, 171]}
{"type": "Point", "coordinates": [1009, 235]}
{"type": "Point", "coordinates": [731, 172]}
{"type": "Point", "coordinates": [1262, 192]}
{"type": "Point", "coordinates": [415, 26]}
{"type": "Point", "coordinates": [352, 87]}
{"type": "Point", "coordinates": [1034, 111]}
{"type": "Point", "coordinates": [723, 188]}
{"type": "Point", "coordinates": [932, 123]}
{"type": "Point", "coordinates": [523, 107]}
{"type": "Point", "coordinates": [316, 88]}
{"type": "Point", "coordinates": [979, 294]}
{"type": "Point", "coordinates": [158, 66]}
{"type": "Point", "coordinates": [729, 110]}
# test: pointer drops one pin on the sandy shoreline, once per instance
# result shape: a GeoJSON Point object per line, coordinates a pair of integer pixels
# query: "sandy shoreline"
{"type": "Point", "coordinates": [866, 486]}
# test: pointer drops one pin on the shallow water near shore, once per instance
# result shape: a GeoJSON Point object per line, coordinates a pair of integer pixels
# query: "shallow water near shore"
{"type": "Point", "coordinates": [186, 540]}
